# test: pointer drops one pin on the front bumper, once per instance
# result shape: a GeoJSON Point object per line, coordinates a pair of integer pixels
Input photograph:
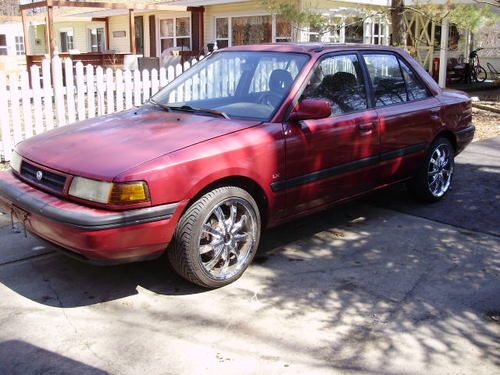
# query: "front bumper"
{"type": "Point", "coordinates": [91, 234]}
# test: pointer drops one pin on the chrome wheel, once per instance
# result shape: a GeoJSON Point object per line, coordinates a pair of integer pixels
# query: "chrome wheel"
{"type": "Point", "coordinates": [228, 238]}
{"type": "Point", "coordinates": [440, 170]}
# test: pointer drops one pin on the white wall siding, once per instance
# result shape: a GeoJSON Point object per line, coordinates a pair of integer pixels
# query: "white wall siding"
{"type": "Point", "coordinates": [122, 44]}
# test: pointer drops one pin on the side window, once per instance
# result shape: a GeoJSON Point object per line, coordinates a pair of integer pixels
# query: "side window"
{"type": "Point", "coordinates": [338, 79]}
{"type": "Point", "coordinates": [416, 90]}
{"type": "Point", "coordinates": [387, 80]}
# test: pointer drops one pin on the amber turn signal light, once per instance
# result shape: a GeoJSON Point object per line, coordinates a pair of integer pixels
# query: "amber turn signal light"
{"type": "Point", "coordinates": [129, 192]}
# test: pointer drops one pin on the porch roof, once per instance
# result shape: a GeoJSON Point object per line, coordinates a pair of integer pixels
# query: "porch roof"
{"type": "Point", "coordinates": [99, 5]}
{"type": "Point", "coordinates": [91, 9]}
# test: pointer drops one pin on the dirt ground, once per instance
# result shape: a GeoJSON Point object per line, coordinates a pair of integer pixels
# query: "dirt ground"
{"type": "Point", "coordinates": [487, 124]}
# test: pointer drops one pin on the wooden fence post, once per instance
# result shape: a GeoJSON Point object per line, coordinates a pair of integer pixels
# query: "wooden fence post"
{"type": "Point", "coordinates": [7, 143]}
{"type": "Point", "coordinates": [26, 104]}
{"type": "Point", "coordinates": [58, 91]}
{"type": "Point", "coordinates": [37, 99]}
{"type": "Point", "coordinates": [70, 92]}
{"type": "Point", "coordinates": [15, 108]}
{"type": "Point", "coordinates": [80, 91]}
{"type": "Point", "coordinates": [48, 92]}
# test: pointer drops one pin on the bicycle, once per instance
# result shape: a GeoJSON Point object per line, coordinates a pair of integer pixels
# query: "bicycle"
{"type": "Point", "coordinates": [477, 72]}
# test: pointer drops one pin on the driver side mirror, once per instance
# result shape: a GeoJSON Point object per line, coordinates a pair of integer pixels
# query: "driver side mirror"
{"type": "Point", "coordinates": [310, 109]}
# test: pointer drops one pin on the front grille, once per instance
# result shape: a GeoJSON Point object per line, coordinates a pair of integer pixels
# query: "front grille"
{"type": "Point", "coordinates": [49, 179]}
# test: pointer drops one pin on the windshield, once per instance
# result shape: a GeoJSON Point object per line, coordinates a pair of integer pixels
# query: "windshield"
{"type": "Point", "coordinates": [247, 85]}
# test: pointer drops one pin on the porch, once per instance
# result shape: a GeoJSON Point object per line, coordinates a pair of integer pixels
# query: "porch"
{"type": "Point", "coordinates": [107, 34]}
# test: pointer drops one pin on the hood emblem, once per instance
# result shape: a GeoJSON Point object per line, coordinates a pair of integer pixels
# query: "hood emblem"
{"type": "Point", "coordinates": [39, 175]}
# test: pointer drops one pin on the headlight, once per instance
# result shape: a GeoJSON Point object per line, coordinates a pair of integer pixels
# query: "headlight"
{"type": "Point", "coordinates": [15, 162]}
{"type": "Point", "coordinates": [92, 190]}
{"type": "Point", "coordinates": [108, 192]}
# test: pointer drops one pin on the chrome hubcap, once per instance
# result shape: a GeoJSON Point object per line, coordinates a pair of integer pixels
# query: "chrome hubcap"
{"type": "Point", "coordinates": [440, 171]}
{"type": "Point", "coordinates": [227, 238]}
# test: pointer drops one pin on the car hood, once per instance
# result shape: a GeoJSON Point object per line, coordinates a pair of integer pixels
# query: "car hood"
{"type": "Point", "coordinates": [106, 146]}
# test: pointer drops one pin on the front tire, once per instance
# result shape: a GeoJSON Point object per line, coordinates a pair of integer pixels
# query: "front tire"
{"type": "Point", "coordinates": [433, 180]}
{"type": "Point", "coordinates": [216, 238]}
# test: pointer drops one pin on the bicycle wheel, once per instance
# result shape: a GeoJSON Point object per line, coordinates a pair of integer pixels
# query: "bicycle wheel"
{"type": "Point", "coordinates": [479, 73]}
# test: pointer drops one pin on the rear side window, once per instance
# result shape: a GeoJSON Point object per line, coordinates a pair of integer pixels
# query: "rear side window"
{"type": "Point", "coordinates": [338, 79]}
{"type": "Point", "coordinates": [416, 90]}
{"type": "Point", "coordinates": [387, 80]}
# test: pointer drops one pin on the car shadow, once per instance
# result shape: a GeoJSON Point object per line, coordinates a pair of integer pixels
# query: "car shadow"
{"type": "Point", "coordinates": [473, 202]}
{"type": "Point", "coordinates": [58, 281]}
{"type": "Point", "coordinates": [53, 279]}
{"type": "Point", "coordinates": [362, 274]}
{"type": "Point", "coordinates": [20, 357]}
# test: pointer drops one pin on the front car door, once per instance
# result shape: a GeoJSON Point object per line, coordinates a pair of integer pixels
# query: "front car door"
{"type": "Point", "coordinates": [335, 157]}
{"type": "Point", "coordinates": [408, 114]}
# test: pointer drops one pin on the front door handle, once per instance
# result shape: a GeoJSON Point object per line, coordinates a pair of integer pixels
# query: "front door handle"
{"type": "Point", "coordinates": [435, 114]}
{"type": "Point", "coordinates": [366, 127]}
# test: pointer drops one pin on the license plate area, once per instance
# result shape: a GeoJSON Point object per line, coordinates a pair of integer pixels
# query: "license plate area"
{"type": "Point", "coordinates": [19, 214]}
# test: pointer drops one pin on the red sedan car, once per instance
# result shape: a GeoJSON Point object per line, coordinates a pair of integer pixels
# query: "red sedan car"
{"type": "Point", "coordinates": [248, 138]}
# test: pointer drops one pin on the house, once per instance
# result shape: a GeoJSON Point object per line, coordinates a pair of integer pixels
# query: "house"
{"type": "Point", "coordinates": [12, 54]}
{"type": "Point", "coordinates": [117, 29]}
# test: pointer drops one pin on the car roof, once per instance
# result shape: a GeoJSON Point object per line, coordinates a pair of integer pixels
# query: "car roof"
{"type": "Point", "coordinates": [310, 48]}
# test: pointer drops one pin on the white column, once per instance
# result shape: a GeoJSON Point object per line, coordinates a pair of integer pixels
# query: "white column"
{"type": "Point", "coordinates": [467, 44]}
{"type": "Point", "coordinates": [342, 30]}
{"type": "Point", "coordinates": [443, 52]}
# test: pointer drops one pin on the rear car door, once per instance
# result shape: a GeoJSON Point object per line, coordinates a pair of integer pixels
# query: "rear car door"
{"type": "Point", "coordinates": [408, 114]}
{"type": "Point", "coordinates": [335, 157]}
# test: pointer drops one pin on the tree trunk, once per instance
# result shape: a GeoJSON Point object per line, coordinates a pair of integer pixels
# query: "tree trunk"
{"type": "Point", "coordinates": [398, 24]}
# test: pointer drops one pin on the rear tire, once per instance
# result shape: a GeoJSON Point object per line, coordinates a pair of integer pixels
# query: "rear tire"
{"type": "Point", "coordinates": [433, 180]}
{"type": "Point", "coordinates": [216, 238]}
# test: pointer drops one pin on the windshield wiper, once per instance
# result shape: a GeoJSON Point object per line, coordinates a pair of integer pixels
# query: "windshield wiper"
{"type": "Point", "coordinates": [188, 108]}
{"type": "Point", "coordinates": [162, 106]}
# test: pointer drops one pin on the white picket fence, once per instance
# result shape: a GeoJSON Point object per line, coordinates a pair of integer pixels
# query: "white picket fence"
{"type": "Point", "coordinates": [62, 92]}
{"type": "Point", "coordinates": [33, 103]}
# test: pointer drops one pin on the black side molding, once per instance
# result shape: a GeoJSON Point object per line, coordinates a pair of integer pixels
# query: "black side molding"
{"type": "Point", "coordinates": [84, 220]}
{"type": "Point", "coordinates": [466, 131]}
{"type": "Point", "coordinates": [344, 168]}
{"type": "Point", "coordinates": [402, 152]}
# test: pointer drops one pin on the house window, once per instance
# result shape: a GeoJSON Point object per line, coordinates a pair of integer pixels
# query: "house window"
{"type": "Point", "coordinates": [453, 37]}
{"type": "Point", "coordinates": [19, 45]}
{"type": "Point", "coordinates": [3, 44]}
{"type": "Point", "coordinates": [376, 31]}
{"type": "Point", "coordinates": [96, 37]}
{"type": "Point", "coordinates": [242, 30]}
{"type": "Point", "coordinates": [66, 36]}
{"type": "Point", "coordinates": [251, 30]}
{"type": "Point", "coordinates": [314, 34]}
{"type": "Point", "coordinates": [336, 23]}
{"type": "Point", "coordinates": [222, 32]}
{"type": "Point", "coordinates": [175, 32]}
{"type": "Point", "coordinates": [283, 29]}
{"type": "Point", "coordinates": [329, 33]}
{"type": "Point", "coordinates": [353, 30]}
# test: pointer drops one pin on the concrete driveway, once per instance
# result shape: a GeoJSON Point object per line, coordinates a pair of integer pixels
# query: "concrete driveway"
{"type": "Point", "coordinates": [381, 286]}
